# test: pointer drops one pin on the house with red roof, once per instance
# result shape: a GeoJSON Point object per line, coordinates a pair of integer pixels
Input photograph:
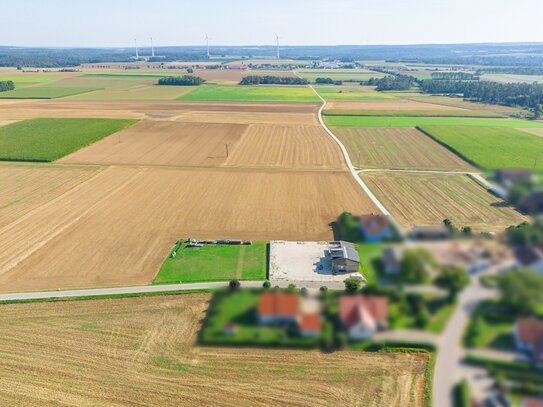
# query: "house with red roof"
{"type": "Point", "coordinates": [529, 338]}
{"type": "Point", "coordinates": [375, 227]}
{"type": "Point", "coordinates": [362, 316]}
{"type": "Point", "coordinates": [278, 308]}
{"type": "Point", "coordinates": [309, 325]}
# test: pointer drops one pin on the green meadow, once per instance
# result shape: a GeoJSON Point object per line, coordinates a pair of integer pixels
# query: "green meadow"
{"type": "Point", "coordinates": [214, 262]}
{"type": "Point", "coordinates": [385, 121]}
{"type": "Point", "coordinates": [22, 81]}
{"type": "Point", "coordinates": [251, 94]}
{"type": "Point", "coordinates": [491, 147]}
{"type": "Point", "coordinates": [50, 139]}
{"type": "Point", "coordinates": [350, 94]}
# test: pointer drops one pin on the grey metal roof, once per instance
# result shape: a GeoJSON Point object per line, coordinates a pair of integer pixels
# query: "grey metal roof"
{"type": "Point", "coordinates": [351, 254]}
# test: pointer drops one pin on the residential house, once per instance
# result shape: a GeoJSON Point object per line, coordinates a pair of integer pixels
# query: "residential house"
{"type": "Point", "coordinates": [362, 316]}
{"type": "Point", "coordinates": [345, 258]}
{"type": "Point", "coordinates": [430, 233]}
{"type": "Point", "coordinates": [278, 308]}
{"type": "Point", "coordinates": [508, 176]}
{"type": "Point", "coordinates": [375, 228]}
{"type": "Point", "coordinates": [533, 203]}
{"type": "Point", "coordinates": [309, 325]}
{"type": "Point", "coordinates": [392, 259]}
{"type": "Point", "coordinates": [529, 257]}
{"type": "Point", "coordinates": [529, 338]}
{"type": "Point", "coordinates": [532, 402]}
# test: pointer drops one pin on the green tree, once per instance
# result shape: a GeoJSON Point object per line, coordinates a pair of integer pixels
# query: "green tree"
{"type": "Point", "coordinates": [452, 279]}
{"type": "Point", "coordinates": [521, 291]}
{"type": "Point", "coordinates": [413, 267]}
{"type": "Point", "coordinates": [352, 285]}
{"type": "Point", "coordinates": [526, 234]}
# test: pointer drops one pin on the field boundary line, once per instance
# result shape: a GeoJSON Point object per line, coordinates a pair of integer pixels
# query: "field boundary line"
{"type": "Point", "coordinates": [353, 171]}
{"type": "Point", "coordinates": [445, 172]}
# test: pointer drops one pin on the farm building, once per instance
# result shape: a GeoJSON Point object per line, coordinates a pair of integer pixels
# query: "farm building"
{"type": "Point", "coordinates": [375, 228]}
{"type": "Point", "coordinates": [529, 338]}
{"type": "Point", "coordinates": [529, 257]}
{"type": "Point", "coordinates": [507, 177]}
{"type": "Point", "coordinates": [430, 233]}
{"type": "Point", "coordinates": [533, 203]}
{"type": "Point", "coordinates": [362, 316]}
{"type": "Point", "coordinates": [345, 258]}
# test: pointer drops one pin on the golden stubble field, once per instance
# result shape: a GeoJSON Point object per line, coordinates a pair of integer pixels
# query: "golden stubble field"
{"type": "Point", "coordinates": [427, 199]}
{"type": "Point", "coordinates": [140, 351]}
{"type": "Point", "coordinates": [117, 227]}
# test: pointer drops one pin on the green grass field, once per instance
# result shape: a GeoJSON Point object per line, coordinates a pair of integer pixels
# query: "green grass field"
{"type": "Point", "coordinates": [214, 263]}
{"type": "Point", "coordinates": [351, 94]}
{"type": "Point", "coordinates": [50, 139]}
{"type": "Point", "coordinates": [43, 92]}
{"type": "Point", "coordinates": [251, 94]}
{"type": "Point", "coordinates": [384, 121]}
{"type": "Point", "coordinates": [126, 75]}
{"type": "Point", "coordinates": [22, 81]}
{"type": "Point", "coordinates": [412, 113]}
{"type": "Point", "coordinates": [491, 147]}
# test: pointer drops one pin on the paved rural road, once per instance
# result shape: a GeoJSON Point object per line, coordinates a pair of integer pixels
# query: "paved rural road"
{"type": "Point", "coordinates": [449, 367]}
{"type": "Point", "coordinates": [97, 292]}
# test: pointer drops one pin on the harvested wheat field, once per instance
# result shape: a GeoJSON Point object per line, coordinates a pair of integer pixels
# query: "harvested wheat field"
{"type": "Point", "coordinates": [397, 148]}
{"type": "Point", "coordinates": [246, 117]}
{"type": "Point", "coordinates": [387, 104]}
{"type": "Point", "coordinates": [459, 103]}
{"type": "Point", "coordinates": [117, 228]}
{"type": "Point", "coordinates": [298, 147]}
{"type": "Point", "coordinates": [426, 199]}
{"type": "Point", "coordinates": [25, 187]}
{"type": "Point", "coordinates": [163, 143]}
{"type": "Point", "coordinates": [140, 351]}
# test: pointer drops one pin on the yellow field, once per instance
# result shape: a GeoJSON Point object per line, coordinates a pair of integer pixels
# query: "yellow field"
{"type": "Point", "coordinates": [427, 199]}
{"type": "Point", "coordinates": [140, 351]}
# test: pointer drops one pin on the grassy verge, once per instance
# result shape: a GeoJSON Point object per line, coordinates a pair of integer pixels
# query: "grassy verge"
{"type": "Point", "coordinates": [106, 296]}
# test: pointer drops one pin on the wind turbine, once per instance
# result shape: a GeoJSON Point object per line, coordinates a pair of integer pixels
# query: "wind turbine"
{"type": "Point", "coordinates": [206, 39]}
{"type": "Point", "coordinates": [136, 46]}
{"type": "Point", "coordinates": [277, 43]}
{"type": "Point", "coordinates": [152, 49]}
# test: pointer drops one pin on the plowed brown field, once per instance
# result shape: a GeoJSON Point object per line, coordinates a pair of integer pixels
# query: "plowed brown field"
{"type": "Point", "coordinates": [163, 143]}
{"type": "Point", "coordinates": [117, 228]}
{"type": "Point", "coordinates": [397, 148]}
{"type": "Point", "coordinates": [139, 351]}
{"type": "Point", "coordinates": [427, 199]}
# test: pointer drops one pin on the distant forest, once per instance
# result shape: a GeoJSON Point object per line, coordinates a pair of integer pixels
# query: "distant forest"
{"type": "Point", "coordinates": [272, 80]}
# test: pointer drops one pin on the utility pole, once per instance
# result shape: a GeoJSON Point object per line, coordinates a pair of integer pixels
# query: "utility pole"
{"type": "Point", "coordinates": [359, 160]}
{"type": "Point", "coordinates": [226, 147]}
{"type": "Point", "coordinates": [136, 46]}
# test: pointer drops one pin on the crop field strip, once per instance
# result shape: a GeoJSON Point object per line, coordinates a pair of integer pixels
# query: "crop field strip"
{"type": "Point", "coordinates": [117, 228]}
{"type": "Point", "coordinates": [343, 93]}
{"type": "Point", "coordinates": [252, 94]}
{"type": "Point", "coordinates": [491, 147]}
{"type": "Point", "coordinates": [43, 92]}
{"type": "Point", "coordinates": [141, 351]}
{"type": "Point", "coordinates": [384, 121]}
{"type": "Point", "coordinates": [413, 113]}
{"type": "Point", "coordinates": [51, 139]}
{"type": "Point", "coordinates": [388, 104]}
{"type": "Point", "coordinates": [426, 199]}
{"type": "Point", "coordinates": [397, 148]}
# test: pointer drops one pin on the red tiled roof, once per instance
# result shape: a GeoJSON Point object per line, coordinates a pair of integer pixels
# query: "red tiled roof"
{"type": "Point", "coordinates": [350, 313]}
{"type": "Point", "coordinates": [278, 304]}
{"type": "Point", "coordinates": [310, 322]}
{"type": "Point", "coordinates": [530, 330]}
{"type": "Point", "coordinates": [532, 402]}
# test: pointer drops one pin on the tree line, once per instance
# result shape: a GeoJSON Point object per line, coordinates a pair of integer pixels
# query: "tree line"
{"type": "Point", "coordinates": [509, 94]}
{"type": "Point", "coordinates": [272, 80]}
{"type": "Point", "coordinates": [455, 76]}
{"type": "Point", "coordinates": [185, 80]}
{"type": "Point", "coordinates": [393, 82]}
{"type": "Point", "coordinates": [328, 81]}
{"type": "Point", "coordinates": [6, 86]}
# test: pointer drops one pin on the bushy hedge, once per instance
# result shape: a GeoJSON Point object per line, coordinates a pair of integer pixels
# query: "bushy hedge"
{"type": "Point", "coordinates": [185, 80]}
{"type": "Point", "coordinates": [6, 86]}
{"type": "Point", "coordinates": [272, 80]}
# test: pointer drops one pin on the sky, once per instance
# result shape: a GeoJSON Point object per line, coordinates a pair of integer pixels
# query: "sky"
{"type": "Point", "coordinates": [115, 23]}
